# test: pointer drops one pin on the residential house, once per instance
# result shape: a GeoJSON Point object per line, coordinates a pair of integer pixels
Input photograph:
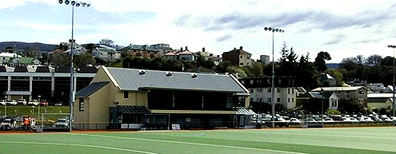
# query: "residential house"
{"type": "Point", "coordinates": [358, 93]}
{"type": "Point", "coordinates": [144, 51]}
{"type": "Point", "coordinates": [330, 99]}
{"type": "Point", "coordinates": [24, 61]}
{"type": "Point", "coordinates": [260, 90]}
{"type": "Point", "coordinates": [209, 56]}
{"type": "Point", "coordinates": [171, 55]}
{"type": "Point", "coordinates": [77, 48]}
{"type": "Point", "coordinates": [182, 54]}
{"type": "Point", "coordinates": [106, 53]}
{"type": "Point", "coordinates": [151, 99]}
{"type": "Point", "coordinates": [377, 87]}
{"type": "Point", "coordinates": [238, 57]}
{"type": "Point", "coordinates": [162, 48]}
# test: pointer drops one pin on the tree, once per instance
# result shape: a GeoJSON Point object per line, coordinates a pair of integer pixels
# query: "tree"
{"type": "Point", "coordinates": [31, 51]}
{"type": "Point", "coordinates": [373, 60]}
{"type": "Point", "coordinates": [256, 69]}
{"type": "Point", "coordinates": [90, 47]}
{"type": "Point", "coordinates": [237, 71]}
{"type": "Point", "coordinates": [307, 75]}
{"type": "Point", "coordinates": [61, 60]}
{"type": "Point", "coordinates": [337, 75]}
{"type": "Point", "coordinates": [288, 64]}
{"type": "Point", "coordinates": [62, 46]}
{"type": "Point", "coordinates": [360, 59]}
{"type": "Point", "coordinates": [387, 61]}
{"type": "Point", "coordinates": [106, 42]}
{"type": "Point", "coordinates": [84, 59]}
{"type": "Point", "coordinates": [320, 61]}
{"type": "Point", "coordinates": [222, 67]}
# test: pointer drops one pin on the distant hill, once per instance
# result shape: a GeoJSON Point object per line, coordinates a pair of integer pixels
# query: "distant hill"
{"type": "Point", "coordinates": [333, 65]}
{"type": "Point", "coordinates": [23, 45]}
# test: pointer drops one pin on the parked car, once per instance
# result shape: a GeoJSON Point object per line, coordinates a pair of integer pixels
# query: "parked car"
{"type": "Point", "coordinates": [311, 121]}
{"type": "Point", "coordinates": [44, 103]}
{"type": "Point", "coordinates": [350, 120]}
{"type": "Point", "coordinates": [11, 102]}
{"type": "Point", "coordinates": [279, 121]}
{"type": "Point", "coordinates": [364, 119]}
{"type": "Point", "coordinates": [62, 122]}
{"type": "Point", "coordinates": [3, 102]}
{"type": "Point", "coordinates": [7, 124]}
{"type": "Point", "coordinates": [375, 118]}
{"type": "Point", "coordinates": [294, 121]}
{"type": "Point", "coordinates": [22, 102]}
{"type": "Point", "coordinates": [328, 120]}
{"type": "Point", "coordinates": [59, 104]}
{"type": "Point", "coordinates": [385, 118]}
{"type": "Point", "coordinates": [33, 102]}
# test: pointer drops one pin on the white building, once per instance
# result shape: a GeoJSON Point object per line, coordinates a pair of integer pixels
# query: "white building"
{"type": "Point", "coordinates": [106, 53]}
{"type": "Point", "coordinates": [260, 90]}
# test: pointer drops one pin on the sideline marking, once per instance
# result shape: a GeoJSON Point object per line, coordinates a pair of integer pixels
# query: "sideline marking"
{"type": "Point", "coordinates": [79, 145]}
{"type": "Point", "coordinates": [191, 143]}
{"type": "Point", "coordinates": [315, 134]}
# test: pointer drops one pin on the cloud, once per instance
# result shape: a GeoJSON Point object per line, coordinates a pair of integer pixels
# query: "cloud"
{"type": "Point", "coordinates": [367, 41]}
{"type": "Point", "coordinates": [337, 39]}
{"type": "Point", "coordinates": [315, 19]}
{"type": "Point", "coordinates": [223, 38]}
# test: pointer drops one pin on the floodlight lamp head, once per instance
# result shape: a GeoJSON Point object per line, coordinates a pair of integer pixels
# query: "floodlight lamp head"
{"type": "Point", "coordinates": [265, 28]}
{"type": "Point", "coordinates": [73, 3]}
{"type": "Point", "coordinates": [60, 1]}
{"type": "Point", "coordinates": [270, 29]}
{"type": "Point", "coordinates": [83, 4]}
{"type": "Point", "coordinates": [88, 5]}
{"type": "Point", "coordinates": [67, 2]}
{"type": "Point", "coordinates": [78, 4]}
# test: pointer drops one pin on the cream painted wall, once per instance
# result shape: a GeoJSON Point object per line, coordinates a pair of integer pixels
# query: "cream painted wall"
{"type": "Point", "coordinates": [135, 98]}
{"type": "Point", "coordinates": [96, 110]}
{"type": "Point", "coordinates": [379, 105]}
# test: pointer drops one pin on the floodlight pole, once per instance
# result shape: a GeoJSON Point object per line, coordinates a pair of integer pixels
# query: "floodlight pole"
{"type": "Point", "coordinates": [72, 92]}
{"type": "Point", "coordinates": [38, 111]}
{"type": "Point", "coordinates": [322, 92]}
{"type": "Point", "coordinates": [393, 80]}
{"type": "Point", "coordinates": [273, 30]}
{"type": "Point", "coordinates": [5, 106]}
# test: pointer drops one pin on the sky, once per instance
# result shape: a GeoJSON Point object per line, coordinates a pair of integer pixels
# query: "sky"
{"type": "Point", "coordinates": [341, 28]}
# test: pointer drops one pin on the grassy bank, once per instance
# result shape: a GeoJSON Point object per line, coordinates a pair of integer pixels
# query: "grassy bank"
{"type": "Point", "coordinates": [32, 110]}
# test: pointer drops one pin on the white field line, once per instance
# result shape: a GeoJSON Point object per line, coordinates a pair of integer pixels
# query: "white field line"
{"type": "Point", "coordinates": [318, 134]}
{"type": "Point", "coordinates": [79, 145]}
{"type": "Point", "coordinates": [191, 143]}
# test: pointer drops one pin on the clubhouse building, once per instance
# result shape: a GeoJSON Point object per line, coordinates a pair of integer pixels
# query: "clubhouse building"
{"type": "Point", "coordinates": [119, 98]}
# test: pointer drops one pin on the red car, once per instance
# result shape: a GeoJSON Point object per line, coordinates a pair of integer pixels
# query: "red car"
{"type": "Point", "coordinates": [44, 103]}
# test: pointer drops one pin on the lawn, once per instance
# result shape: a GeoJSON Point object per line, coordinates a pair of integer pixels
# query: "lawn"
{"type": "Point", "coordinates": [313, 140]}
{"type": "Point", "coordinates": [32, 110]}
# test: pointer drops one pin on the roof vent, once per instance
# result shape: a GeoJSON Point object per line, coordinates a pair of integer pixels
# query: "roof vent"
{"type": "Point", "coordinates": [194, 75]}
{"type": "Point", "coordinates": [168, 73]}
{"type": "Point", "coordinates": [142, 72]}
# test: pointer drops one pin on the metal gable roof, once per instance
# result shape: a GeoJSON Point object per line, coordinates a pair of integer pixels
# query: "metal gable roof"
{"type": "Point", "coordinates": [133, 109]}
{"type": "Point", "coordinates": [90, 89]}
{"type": "Point", "coordinates": [135, 79]}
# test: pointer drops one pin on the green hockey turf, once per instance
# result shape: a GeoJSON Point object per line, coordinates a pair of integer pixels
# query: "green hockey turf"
{"type": "Point", "coordinates": [313, 140]}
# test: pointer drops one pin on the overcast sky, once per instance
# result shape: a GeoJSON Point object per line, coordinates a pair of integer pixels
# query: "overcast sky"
{"type": "Point", "coordinates": [342, 28]}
